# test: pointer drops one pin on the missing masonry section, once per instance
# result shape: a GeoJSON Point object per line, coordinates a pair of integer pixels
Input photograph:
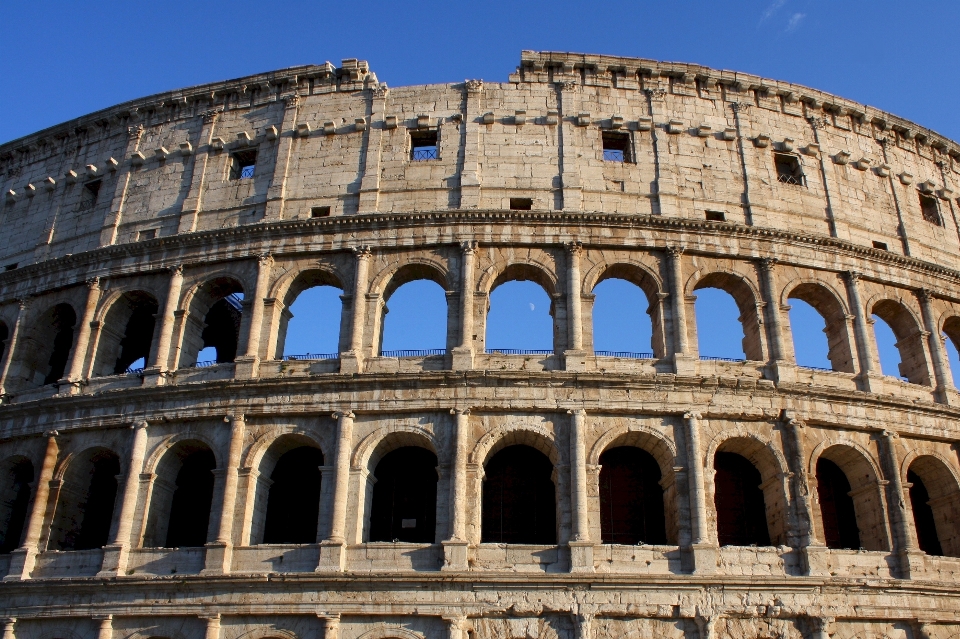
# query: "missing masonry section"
{"type": "Point", "coordinates": [423, 146]}
{"type": "Point", "coordinates": [243, 165]}
{"type": "Point", "coordinates": [616, 146]}
{"type": "Point", "coordinates": [89, 195]}
{"type": "Point", "coordinates": [788, 169]}
{"type": "Point", "coordinates": [930, 209]}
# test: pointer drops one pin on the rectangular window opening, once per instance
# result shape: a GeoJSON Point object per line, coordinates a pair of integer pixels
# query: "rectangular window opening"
{"type": "Point", "coordinates": [716, 216]}
{"type": "Point", "coordinates": [423, 145]}
{"type": "Point", "coordinates": [880, 245]}
{"type": "Point", "coordinates": [244, 165]}
{"type": "Point", "coordinates": [146, 234]}
{"type": "Point", "coordinates": [10, 267]}
{"type": "Point", "coordinates": [616, 146]}
{"type": "Point", "coordinates": [930, 209]}
{"type": "Point", "coordinates": [788, 169]}
{"type": "Point", "coordinates": [88, 197]}
{"type": "Point", "coordinates": [320, 211]}
{"type": "Point", "coordinates": [521, 203]}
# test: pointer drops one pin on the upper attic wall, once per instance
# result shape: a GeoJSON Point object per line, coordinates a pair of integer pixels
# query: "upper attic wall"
{"type": "Point", "coordinates": [700, 140]}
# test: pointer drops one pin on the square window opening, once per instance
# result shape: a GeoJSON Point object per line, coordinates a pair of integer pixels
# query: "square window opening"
{"type": "Point", "coordinates": [244, 165]}
{"type": "Point", "coordinates": [716, 216]}
{"type": "Point", "coordinates": [930, 209]}
{"type": "Point", "coordinates": [521, 203]}
{"type": "Point", "coordinates": [89, 195]}
{"type": "Point", "coordinates": [320, 211]}
{"type": "Point", "coordinates": [616, 146]}
{"type": "Point", "coordinates": [880, 245]}
{"type": "Point", "coordinates": [423, 145]}
{"type": "Point", "coordinates": [146, 234]}
{"type": "Point", "coordinates": [788, 169]}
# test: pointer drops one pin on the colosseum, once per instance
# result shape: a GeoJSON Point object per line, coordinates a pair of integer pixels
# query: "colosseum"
{"type": "Point", "coordinates": [473, 492]}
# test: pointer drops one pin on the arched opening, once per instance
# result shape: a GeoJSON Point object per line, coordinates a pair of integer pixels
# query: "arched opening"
{"type": "Point", "coordinates": [728, 326]}
{"type": "Point", "coordinates": [899, 343]}
{"type": "Point", "coordinates": [837, 511]}
{"type": "Point", "coordinates": [935, 501]}
{"type": "Point", "coordinates": [45, 349]}
{"type": "Point", "coordinates": [521, 314]}
{"type": "Point", "coordinates": [311, 317]}
{"type": "Point", "coordinates": [181, 497]}
{"type": "Point", "coordinates": [819, 329]}
{"type": "Point", "coordinates": [4, 334]}
{"type": "Point", "coordinates": [86, 502]}
{"type": "Point", "coordinates": [293, 503]}
{"type": "Point", "coordinates": [404, 503]}
{"type": "Point", "coordinates": [631, 498]}
{"type": "Point", "coordinates": [739, 500]}
{"type": "Point", "coordinates": [212, 333]}
{"type": "Point", "coordinates": [126, 334]}
{"type": "Point", "coordinates": [519, 498]}
{"type": "Point", "coordinates": [414, 313]}
{"type": "Point", "coordinates": [626, 313]}
{"type": "Point", "coordinates": [16, 475]}
{"type": "Point", "coordinates": [850, 501]}
{"type": "Point", "coordinates": [951, 338]}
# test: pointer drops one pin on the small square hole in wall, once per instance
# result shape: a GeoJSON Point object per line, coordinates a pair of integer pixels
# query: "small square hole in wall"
{"type": "Point", "coordinates": [880, 245]}
{"type": "Point", "coordinates": [89, 195]}
{"type": "Point", "coordinates": [320, 211]}
{"type": "Point", "coordinates": [930, 209]}
{"type": "Point", "coordinates": [788, 169]}
{"type": "Point", "coordinates": [10, 267]}
{"type": "Point", "coordinates": [244, 164]}
{"type": "Point", "coordinates": [716, 216]}
{"type": "Point", "coordinates": [146, 234]}
{"type": "Point", "coordinates": [616, 146]}
{"type": "Point", "coordinates": [423, 145]}
{"type": "Point", "coordinates": [521, 203]}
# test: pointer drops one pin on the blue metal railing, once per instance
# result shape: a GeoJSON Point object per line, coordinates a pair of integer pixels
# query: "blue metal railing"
{"type": "Point", "coordinates": [712, 358]}
{"type": "Point", "coordinates": [133, 371]}
{"type": "Point", "coordinates": [518, 351]}
{"type": "Point", "coordinates": [816, 368]}
{"type": "Point", "coordinates": [425, 352]}
{"type": "Point", "coordinates": [211, 362]}
{"type": "Point", "coordinates": [312, 356]}
{"type": "Point", "coordinates": [624, 354]}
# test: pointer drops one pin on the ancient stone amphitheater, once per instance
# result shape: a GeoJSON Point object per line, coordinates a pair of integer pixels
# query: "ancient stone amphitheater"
{"type": "Point", "coordinates": [469, 492]}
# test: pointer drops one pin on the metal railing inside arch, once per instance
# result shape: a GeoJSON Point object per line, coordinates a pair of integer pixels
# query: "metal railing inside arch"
{"type": "Point", "coordinates": [424, 352]}
{"type": "Point", "coordinates": [312, 356]}
{"type": "Point", "coordinates": [713, 358]}
{"type": "Point", "coordinates": [624, 354]}
{"type": "Point", "coordinates": [518, 351]}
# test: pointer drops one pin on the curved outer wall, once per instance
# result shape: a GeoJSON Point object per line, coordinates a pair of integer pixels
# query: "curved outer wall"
{"type": "Point", "coordinates": [135, 209]}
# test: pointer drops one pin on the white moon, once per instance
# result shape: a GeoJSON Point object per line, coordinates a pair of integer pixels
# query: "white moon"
{"type": "Point", "coordinates": [532, 306]}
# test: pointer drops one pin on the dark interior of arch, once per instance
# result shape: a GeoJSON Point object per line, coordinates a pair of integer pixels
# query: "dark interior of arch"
{"type": "Point", "coordinates": [138, 334]}
{"type": "Point", "coordinates": [519, 498]}
{"type": "Point", "coordinates": [15, 503]}
{"type": "Point", "coordinates": [4, 334]}
{"type": "Point", "coordinates": [95, 512]}
{"type": "Point", "coordinates": [190, 508]}
{"type": "Point", "coordinates": [837, 512]}
{"type": "Point", "coordinates": [923, 518]}
{"type": "Point", "coordinates": [293, 504]}
{"type": "Point", "coordinates": [631, 498]}
{"type": "Point", "coordinates": [404, 504]}
{"type": "Point", "coordinates": [741, 512]}
{"type": "Point", "coordinates": [62, 321]}
{"type": "Point", "coordinates": [222, 328]}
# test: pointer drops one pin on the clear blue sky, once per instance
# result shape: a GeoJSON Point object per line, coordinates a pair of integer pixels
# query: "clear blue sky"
{"type": "Point", "coordinates": [60, 60]}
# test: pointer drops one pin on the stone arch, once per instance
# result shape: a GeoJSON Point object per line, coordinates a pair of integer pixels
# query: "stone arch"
{"type": "Point", "coordinates": [87, 499]}
{"type": "Point", "coordinates": [387, 439]}
{"type": "Point", "coordinates": [60, 631]}
{"type": "Point", "coordinates": [44, 352]}
{"type": "Point", "coordinates": [259, 448]}
{"type": "Point", "coordinates": [18, 478]}
{"type": "Point", "coordinates": [285, 292]}
{"type": "Point", "coordinates": [174, 503]}
{"type": "Point", "coordinates": [863, 473]}
{"type": "Point", "coordinates": [772, 467]}
{"type": "Point", "coordinates": [153, 458]}
{"type": "Point", "coordinates": [648, 282]}
{"type": "Point", "coordinates": [941, 484]}
{"type": "Point", "coordinates": [387, 632]}
{"type": "Point", "coordinates": [747, 297]}
{"type": "Point", "coordinates": [899, 314]}
{"type": "Point", "coordinates": [127, 331]}
{"type": "Point", "coordinates": [528, 269]}
{"type": "Point", "coordinates": [532, 435]}
{"type": "Point", "coordinates": [212, 319]}
{"type": "Point", "coordinates": [829, 303]}
{"type": "Point", "coordinates": [391, 278]}
{"type": "Point", "coordinates": [269, 633]}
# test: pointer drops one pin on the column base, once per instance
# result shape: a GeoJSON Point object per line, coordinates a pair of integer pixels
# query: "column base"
{"type": "Point", "coordinates": [455, 556]}
{"type": "Point", "coordinates": [815, 561]}
{"type": "Point", "coordinates": [945, 395]}
{"type": "Point", "coordinates": [782, 372]}
{"type": "Point", "coordinates": [154, 376]}
{"type": "Point", "coordinates": [700, 559]}
{"type": "Point", "coordinates": [246, 367]}
{"type": "Point", "coordinates": [461, 359]}
{"type": "Point", "coordinates": [22, 561]}
{"type": "Point", "coordinates": [871, 383]}
{"type": "Point", "coordinates": [218, 559]}
{"type": "Point", "coordinates": [114, 561]}
{"type": "Point", "coordinates": [67, 387]}
{"type": "Point", "coordinates": [913, 564]}
{"type": "Point", "coordinates": [469, 194]}
{"type": "Point", "coordinates": [333, 556]}
{"type": "Point", "coordinates": [684, 364]}
{"type": "Point", "coordinates": [581, 556]}
{"type": "Point", "coordinates": [351, 363]}
{"type": "Point", "coordinates": [575, 360]}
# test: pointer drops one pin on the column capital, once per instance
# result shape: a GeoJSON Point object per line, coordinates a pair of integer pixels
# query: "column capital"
{"type": "Point", "coordinates": [347, 414]}
{"type": "Point", "coordinates": [210, 116]}
{"type": "Point", "coordinates": [265, 259]}
{"type": "Point", "coordinates": [853, 276]}
{"type": "Point", "coordinates": [927, 294]}
{"type": "Point", "coordinates": [23, 303]}
{"type": "Point", "coordinates": [139, 425]}
{"type": "Point", "coordinates": [768, 263]}
{"type": "Point", "coordinates": [580, 412]}
{"type": "Point", "coordinates": [210, 617]}
{"type": "Point", "coordinates": [176, 270]}
{"type": "Point", "coordinates": [362, 252]}
{"type": "Point", "coordinates": [51, 434]}
{"type": "Point", "coordinates": [234, 417]}
{"type": "Point", "coordinates": [693, 415]}
{"type": "Point", "coordinates": [102, 618]}
{"type": "Point", "coordinates": [675, 251]}
{"type": "Point", "coordinates": [574, 248]}
{"type": "Point", "coordinates": [469, 246]}
{"type": "Point", "coordinates": [460, 411]}
{"type": "Point", "coordinates": [93, 283]}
